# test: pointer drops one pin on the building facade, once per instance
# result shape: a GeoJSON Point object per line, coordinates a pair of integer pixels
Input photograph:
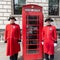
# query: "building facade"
{"type": "Point", "coordinates": [14, 8]}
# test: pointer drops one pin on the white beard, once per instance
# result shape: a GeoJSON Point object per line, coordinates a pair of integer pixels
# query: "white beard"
{"type": "Point", "coordinates": [48, 24]}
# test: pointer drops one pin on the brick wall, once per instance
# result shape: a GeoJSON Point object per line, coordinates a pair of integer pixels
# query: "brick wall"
{"type": "Point", "coordinates": [5, 12]}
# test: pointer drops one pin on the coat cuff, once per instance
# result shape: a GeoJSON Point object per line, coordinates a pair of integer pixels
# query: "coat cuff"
{"type": "Point", "coordinates": [19, 40]}
{"type": "Point", "coordinates": [5, 41]}
{"type": "Point", "coordinates": [55, 41]}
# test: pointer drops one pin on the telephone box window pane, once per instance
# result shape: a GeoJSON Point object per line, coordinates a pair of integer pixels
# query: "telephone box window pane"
{"type": "Point", "coordinates": [32, 34]}
{"type": "Point", "coordinates": [32, 47]}
{"type": "Point", "coordinates": [32, 22]}
{"type": "Point", "coordinates": [18, 6]}
{"type": "Point", "coordinates": [32, 51]}
{"type": "Point", "coordinates": [33, 41]}
{"type": "Point", "coordinates": [32, 37]}
{"type": "Point", "coordinates": [54, 7]}
{"type": "Point", "coordinates": [32, 29]}
{"type": "Point", "coordinates": [32, 19]}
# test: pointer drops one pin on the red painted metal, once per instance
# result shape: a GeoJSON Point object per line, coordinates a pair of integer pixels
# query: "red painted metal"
{"type": "Point", "coordinates": [32, 23]}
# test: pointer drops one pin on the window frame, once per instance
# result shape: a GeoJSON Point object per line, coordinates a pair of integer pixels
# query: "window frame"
{"type": "Point", "coordinates": [54, 15]}
{"type": "Point", "coordinates": [12, 12]}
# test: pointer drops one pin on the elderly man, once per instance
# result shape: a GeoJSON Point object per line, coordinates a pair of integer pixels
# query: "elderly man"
{"type": "Point", "coordinates": [49, 37]}
{"type": "Point", "coordinates": [12, 37]}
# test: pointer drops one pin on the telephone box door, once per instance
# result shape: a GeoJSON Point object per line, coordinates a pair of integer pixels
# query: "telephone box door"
{"type": "Point", "coordinates": [32, 22]}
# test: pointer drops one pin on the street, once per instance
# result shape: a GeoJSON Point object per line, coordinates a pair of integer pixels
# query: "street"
{"type": "Point", "coordinates": [3, 54]}
{"type": "Point", "coordinates": [4, 57]}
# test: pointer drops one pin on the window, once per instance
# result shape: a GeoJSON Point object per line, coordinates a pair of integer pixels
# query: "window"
{"type": "Point", "coordinates": [54, 7]}
{"type": "Point", "coordinates": [18, 6]}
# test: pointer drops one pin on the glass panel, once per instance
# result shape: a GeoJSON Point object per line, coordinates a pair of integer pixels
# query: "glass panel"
{"type": "Point", "coordinates": [53, 7]}
{"type": "Point", "coordinates": [32, 47]}
{"type": "Point", "coordinates": [32, 42]}
{"type": "Point", "coordinates": [32, 37]}
{"type": "Point", "coordinates": [32, 20]}
{"type": "Point", "coordinates": [32, 51]}
{"type": "Point", "coordinates": [18, 6]}
{"type": "Point", "coordinates": [32, 17]}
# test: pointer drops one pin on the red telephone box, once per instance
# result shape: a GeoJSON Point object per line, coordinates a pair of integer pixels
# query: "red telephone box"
{"type": "Point", "coordinates": [32, 22]}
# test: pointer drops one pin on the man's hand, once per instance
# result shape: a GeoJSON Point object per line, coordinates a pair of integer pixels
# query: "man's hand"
{"type": "Point", "coordinates": [42, 43]}
{"type": "Point", "coordinates": [55, 43]}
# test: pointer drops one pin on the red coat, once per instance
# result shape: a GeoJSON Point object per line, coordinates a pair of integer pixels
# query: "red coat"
{"type": "Point", "coordinates": [12, 35]}
{"type": "Point", "coordinates": [49, 36]}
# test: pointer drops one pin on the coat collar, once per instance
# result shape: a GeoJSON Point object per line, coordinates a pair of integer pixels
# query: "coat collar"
{"type": "Point", "coordinates": [49, 25]}
{"type": "Point", "coordinates": [12, 24]}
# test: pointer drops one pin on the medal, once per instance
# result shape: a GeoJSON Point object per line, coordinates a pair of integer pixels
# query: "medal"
{"type": "Point", "coordinates": [13, 26]}
{"type": "Point", "coordinates": [50, 29]}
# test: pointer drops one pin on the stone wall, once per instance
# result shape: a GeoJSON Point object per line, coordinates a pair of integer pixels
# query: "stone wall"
{"type": "Point", "coordinates": [6, 9]}
{"type": "Point", "coordinates": [5, 12]}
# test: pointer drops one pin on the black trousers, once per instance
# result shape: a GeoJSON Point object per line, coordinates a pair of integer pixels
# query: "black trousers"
{"type": "Point", "coordinates": [51, 57]}
{"type": "Point", "coordinates": [14, 57]}
{"type": "Point", "coordinates": [47, 57]}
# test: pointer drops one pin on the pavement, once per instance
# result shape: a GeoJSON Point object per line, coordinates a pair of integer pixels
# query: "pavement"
{"type": "Point", "coordinates": [3, 52]}
{"type": "Point", "coordinates": [4, 57]}
{"type": "Point", "coordinates": [57, 51]}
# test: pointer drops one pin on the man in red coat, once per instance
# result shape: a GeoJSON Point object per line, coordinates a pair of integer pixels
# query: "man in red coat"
{"type": "Point", "coordinates": [12, 37]}
{"type": "Point", "coordinates": [49, 38]}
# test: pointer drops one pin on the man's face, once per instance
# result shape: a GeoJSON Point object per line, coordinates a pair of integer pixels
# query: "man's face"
{"type": "Point", "coordinates": [48, 23]}
{"type": "Point", "coordinates": [12, 21]}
